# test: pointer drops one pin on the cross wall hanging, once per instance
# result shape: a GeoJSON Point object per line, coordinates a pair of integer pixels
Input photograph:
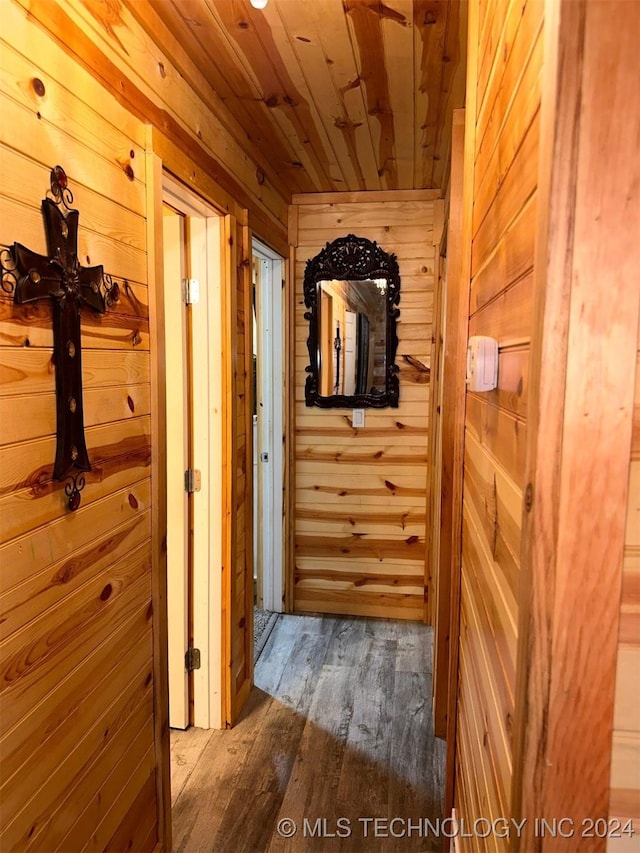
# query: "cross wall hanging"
{"type": "Point", "coordinates": [60, 277]}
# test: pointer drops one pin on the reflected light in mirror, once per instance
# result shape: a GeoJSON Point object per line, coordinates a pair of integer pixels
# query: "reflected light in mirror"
{"type": "Point", "coordinates": [352, 343]}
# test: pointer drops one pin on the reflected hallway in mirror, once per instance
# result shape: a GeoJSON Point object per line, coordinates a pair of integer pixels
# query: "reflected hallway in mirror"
{"type": "Point", "coordinates": [352, 289]}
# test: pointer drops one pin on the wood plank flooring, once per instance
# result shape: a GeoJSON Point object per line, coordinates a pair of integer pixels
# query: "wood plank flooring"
{"type": "Point", "coordinates": [337, 731]}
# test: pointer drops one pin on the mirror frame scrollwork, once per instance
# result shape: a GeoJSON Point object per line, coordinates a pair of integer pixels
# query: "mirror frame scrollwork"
{"type": "Point", "coordinates": [352, 258]}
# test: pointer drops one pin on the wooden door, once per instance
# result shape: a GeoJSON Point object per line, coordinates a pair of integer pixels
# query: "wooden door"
{"type": "Point", "coordinates": [178, 453]}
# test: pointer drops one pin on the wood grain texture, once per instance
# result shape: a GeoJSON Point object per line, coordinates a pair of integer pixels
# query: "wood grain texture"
{"type": "Point", "coordinates": [77, 624]}
{"type": "Point", "coordinates": [451, 454]}
{"type": "Point", "coordinates": [237, 462]}
{"type": "Point", "coordinates": [336, 726]}
{"type": "Point", "coordinates": [434, 450]}
{"type": "Point", "coordinates": [624, 802]}
{"type": "Point", "coordinates": [575, 573]}
{"type": "Point", "coordinates": [501, 166]}
{"type": "Point", "coordinates": [355, 476]}
{"type": "Point", "coordinates": [322, 87]}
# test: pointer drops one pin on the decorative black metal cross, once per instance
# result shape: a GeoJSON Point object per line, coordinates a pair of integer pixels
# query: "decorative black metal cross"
{"type": "Point", "coordinates": [60, 277]}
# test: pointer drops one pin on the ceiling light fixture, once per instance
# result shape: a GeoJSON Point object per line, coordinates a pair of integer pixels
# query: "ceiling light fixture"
{"type": "Point", "coordinates": [258, 4]}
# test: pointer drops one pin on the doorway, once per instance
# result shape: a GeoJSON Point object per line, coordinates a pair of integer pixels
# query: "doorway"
{"type": "Point", "coordinates": [268, 422]}
{"type": "Point", "coordinates": [192, 235]}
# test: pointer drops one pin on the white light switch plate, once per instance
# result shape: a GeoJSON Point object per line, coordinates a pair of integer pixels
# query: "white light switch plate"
{"type": "Point", "coordinates": [358, 418]}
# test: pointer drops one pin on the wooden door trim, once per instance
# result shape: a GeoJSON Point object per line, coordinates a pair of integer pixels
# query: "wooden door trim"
{"type": "Point", "coordinates": [244, 271]}
{"type": "Point", "coordinates": [158, 496]}
{"type": "Point", "coordinates": [434, 454]}
{"type": "Point", "coordinates": [453, 408]}
{"type": "Point", "coordinates": [229, 486]}
{"type": "Point", "coordinates": [460, 231]}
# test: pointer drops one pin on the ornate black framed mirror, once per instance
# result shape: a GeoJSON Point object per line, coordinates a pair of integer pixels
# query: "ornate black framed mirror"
{"type": "Point", "coordinates": [351, 291]}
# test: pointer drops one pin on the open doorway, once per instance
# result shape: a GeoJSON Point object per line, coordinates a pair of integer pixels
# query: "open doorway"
{"type": "Point", "coordinates": [268, 422]}
{"type": "Point", "coordinates": [192, 235]}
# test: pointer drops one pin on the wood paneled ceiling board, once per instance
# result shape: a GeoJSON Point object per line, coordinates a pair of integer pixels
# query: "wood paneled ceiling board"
{"type": "Point", "coordinates": [335, 95]}
{"type": "Point", "coordinates": [398, 41]}
{"type": "Point", "coordinates": [189, 22]}
{"type": "Point", "coordinates": [317, 33]}
{"type": "Point", "coordinates": [278, 81]}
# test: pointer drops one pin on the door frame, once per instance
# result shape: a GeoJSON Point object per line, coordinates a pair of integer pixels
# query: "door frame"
{"type": "Point", "coordinates": [270, 386]}
{"type": "Point", "coordinates": [178, 459]}
{"type": "Point", "coordinates": [204, 263]}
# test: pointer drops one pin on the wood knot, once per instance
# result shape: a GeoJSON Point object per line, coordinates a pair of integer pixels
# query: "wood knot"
{"type": "Point", "coordinates": [528, 497]}
{"type": "Point", "coordinates": [38, 87]}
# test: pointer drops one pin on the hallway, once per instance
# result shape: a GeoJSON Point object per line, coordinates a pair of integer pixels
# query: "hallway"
{"type": "Point", "coordinates": [338, 726]}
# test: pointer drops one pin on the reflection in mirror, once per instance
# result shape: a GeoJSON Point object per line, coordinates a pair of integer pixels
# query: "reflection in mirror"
{"type": "Point", "coordinates": [352, 337]}
{"type": "Point", "coordinates": [352, 289]}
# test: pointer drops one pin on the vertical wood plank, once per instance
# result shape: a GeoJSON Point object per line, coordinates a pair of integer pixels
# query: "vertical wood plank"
{"type": "Point", "coordinates": [158, 497]}
{"type": "Point", "coordinates": [229, 484]}
{"type": "Point", "coordinates": [453, 403]}
{"type": "Point", "coordinates": [247, 296]}
{"type": "Point", "coordinates": [432, 537]}
{"type": "Point", "coordinates": [452, 417]}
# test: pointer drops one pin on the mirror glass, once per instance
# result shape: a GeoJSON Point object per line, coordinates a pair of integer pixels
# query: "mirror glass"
{"type": "Point", "coordinates": [352, 340]}
{"type": "Point", "coordinates": [351, 291]}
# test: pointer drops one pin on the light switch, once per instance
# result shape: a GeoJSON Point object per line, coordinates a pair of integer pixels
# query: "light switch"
{"type": "Point", "coordinates": [358, 418]}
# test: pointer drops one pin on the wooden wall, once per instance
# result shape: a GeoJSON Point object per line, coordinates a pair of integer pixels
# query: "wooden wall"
{"type": "Point", "coordinates": [553, 254]}
{"type": "Point", "coordinates": [143, 66]}
{"type": "Point", "coordinates": [360, 493]}
{"type": "Point", "coordinates": [83, 721]}
{"type": "Point", "coordinates": [502, 132]}
{"type": "Point", "coordinates": [77, 724]}
{"type": "Point", "coordinates": [625, 761]}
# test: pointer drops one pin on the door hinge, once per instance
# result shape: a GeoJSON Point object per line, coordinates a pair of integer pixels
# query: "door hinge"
{"type": "Point", "coordinates": [191, 290]}
{"type": "Point", "coordinates": [192, 480]}
{"type": "Point", "coordinates": [192, 659]}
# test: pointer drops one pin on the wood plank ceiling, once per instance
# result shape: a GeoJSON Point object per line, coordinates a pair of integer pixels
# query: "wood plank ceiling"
{"type": "Point", "coordinates": [327, 95]}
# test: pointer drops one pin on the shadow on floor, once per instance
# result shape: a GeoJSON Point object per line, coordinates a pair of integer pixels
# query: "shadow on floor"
{"type": "Point", "coordinates": [336, 733]}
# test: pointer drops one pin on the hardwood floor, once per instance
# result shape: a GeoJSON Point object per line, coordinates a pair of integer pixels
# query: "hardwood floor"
{"type": "Point", "coordinates": [337, 731]}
